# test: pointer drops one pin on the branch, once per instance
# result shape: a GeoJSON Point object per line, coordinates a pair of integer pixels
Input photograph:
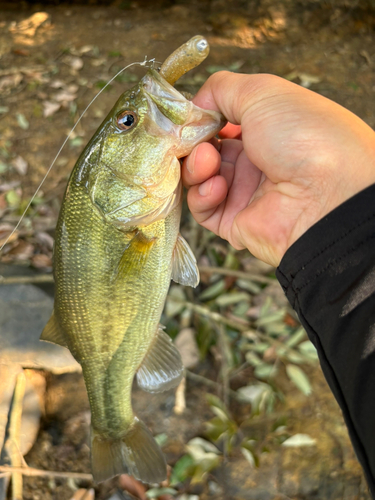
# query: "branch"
{"type": "Point", "coordinates": [29, 471]}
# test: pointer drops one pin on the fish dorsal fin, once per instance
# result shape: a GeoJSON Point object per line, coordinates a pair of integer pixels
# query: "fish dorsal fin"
{"type": "Point", "coordinates": [52, 332]}
{"type": "Point", "coordinates": [184, 265]}
{"type": "Point", "coordinates": [135, 255]}
{"type": "Point", "coordinates": [161, 368]}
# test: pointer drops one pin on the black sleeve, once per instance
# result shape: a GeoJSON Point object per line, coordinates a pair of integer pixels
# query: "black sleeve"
{"type": "Point", "coordinates": [328, 276]}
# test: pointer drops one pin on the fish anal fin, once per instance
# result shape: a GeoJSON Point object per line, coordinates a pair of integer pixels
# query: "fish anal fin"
{"type": "Point", "coordinates": [52, 332]}
{"type": "Point", "coordinates": [135, 255]}
{"type": "Point", "coordinates": [161, 368]}
{"type": "Point", "coordinates": [184, 265]}
{"type": "Point", "coordinates": [136, 453]}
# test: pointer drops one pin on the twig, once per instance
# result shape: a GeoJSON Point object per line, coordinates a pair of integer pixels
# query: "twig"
{"type": "Point", "coordinates": [180, 400]}
{"type": "Point", "coordinates": [16, 280]}
{"type": "Point", "coordinates": [13, 445]}
{"type": "Point", "coordinates": [236, 274]}
{"type": "Point", "coordinates": [29, 471]}
{"type": "Point", "coordinates": [210, 383]}
{"type": "Point", "coordinates": [241, 326]}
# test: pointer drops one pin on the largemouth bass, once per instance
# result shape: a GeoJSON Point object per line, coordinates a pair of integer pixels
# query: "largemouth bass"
{"type": "Point", "coordinates": [117, 247]}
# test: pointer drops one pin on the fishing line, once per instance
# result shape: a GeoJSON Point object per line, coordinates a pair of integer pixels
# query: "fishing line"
{"type": "Point", "coordinates": [146, 61]}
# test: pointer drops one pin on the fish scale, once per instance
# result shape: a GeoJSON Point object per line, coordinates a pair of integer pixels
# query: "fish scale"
{"type": "Point", "coordinates": [117, 246]}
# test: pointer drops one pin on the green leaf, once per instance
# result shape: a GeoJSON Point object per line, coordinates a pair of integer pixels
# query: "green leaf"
{"type": "Point", "coordinates": [76, 142]}
{"type": "Point", "coordinates": [22, 121]}
{"type": "Point", "coordinates": [232, 298]}
{"type": "Point", "coordinates": [294, 357]}
{"type": "Point", "coordinates": [250, 286]}
{"type": "Point", "coordinates": [161, 439]}
{"type": "Point", "coordinates": [296, 338]}
{"type": "Point", "coordinates": [299, 379]}
{"type": "Point", "coordinates": [271, 318]}
{"type": "Point", "coordinates": [299, 440]}
{"type": "Point", "coordinates": [241, 309]}
{"type": "Point", "coordinates": [182, 469]}
{"type": "Point", "coordinates": [13, 199]}
{"type": "Point", "coordinates": [265, 371]}
{"type": "Point", "coordinates": [308, 350]}
{"type": "Point", "coordinates": [253, 359]}
{"type": "Point", "coordinates": [213, 291]}
{"type": "Point", "coordinates": [4, 109]}
{"type": "Point", "coordinates": [214, 401]}
{"type": "Point", "coordinates": [3, 167]}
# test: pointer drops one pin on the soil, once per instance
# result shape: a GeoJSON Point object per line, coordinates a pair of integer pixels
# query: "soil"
{"type": "Point", "coordinates": [78, 47]}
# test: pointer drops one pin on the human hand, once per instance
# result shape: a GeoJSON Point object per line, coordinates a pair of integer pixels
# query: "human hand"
{"type": "Point", "coordinates": [289, 156]}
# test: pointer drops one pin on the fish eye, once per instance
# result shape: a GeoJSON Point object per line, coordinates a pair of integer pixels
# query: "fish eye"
{"type": "Point", "coordinates": [126, 120]}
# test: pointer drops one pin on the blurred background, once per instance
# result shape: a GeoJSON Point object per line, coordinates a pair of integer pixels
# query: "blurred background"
{"type": "Point", "coordinates": [254, 419]}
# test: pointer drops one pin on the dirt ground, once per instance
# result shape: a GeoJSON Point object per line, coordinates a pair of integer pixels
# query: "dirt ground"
{"type": "Point", "coordinates": [54, 58]}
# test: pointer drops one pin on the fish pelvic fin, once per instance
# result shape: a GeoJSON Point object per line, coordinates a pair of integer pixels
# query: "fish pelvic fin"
{"type": "Point", "coordinates": [161, 368]}
{"type": "Point", "coordinates": [52, 332]}
{"type": "Point", "coordinates": [135, 255]}
{"type": "Point", "coordinates": [184, 265]}
{"type": "Point", "coordinates": [135, 453]}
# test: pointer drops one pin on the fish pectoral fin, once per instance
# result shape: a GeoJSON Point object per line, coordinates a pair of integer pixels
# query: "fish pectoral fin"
{"type": "Point", "coordinates": [135, 255]}
{"type": "Point", "coordinates": [162, 367]}
{"type": "Point", "coordinates": [184, 265]}
{"type": "Point", "coordinates": [52, 332]}
{"type": "Point", "coordinates": [136, 452]}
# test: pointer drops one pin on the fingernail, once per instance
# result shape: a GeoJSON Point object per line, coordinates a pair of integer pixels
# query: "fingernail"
{"type": "Point", "coordinates": [191, 161]}
{"type": "Point", "coordinates": [205, 188]}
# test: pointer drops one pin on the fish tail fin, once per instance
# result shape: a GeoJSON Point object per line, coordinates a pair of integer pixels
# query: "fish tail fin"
{"type": "Point", "coordinates": [135, 453]}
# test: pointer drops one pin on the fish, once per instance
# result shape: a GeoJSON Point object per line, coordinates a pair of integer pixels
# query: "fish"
{"type": "Point", "coordinates": [117, 247]}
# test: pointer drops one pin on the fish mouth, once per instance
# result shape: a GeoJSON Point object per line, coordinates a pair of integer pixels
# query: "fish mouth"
{"type": "Point", "coordinates": [171, 112]}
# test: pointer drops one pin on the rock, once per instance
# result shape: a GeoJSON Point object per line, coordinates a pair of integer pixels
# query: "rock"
{"type": "Point", "coordinates": [24, 311]}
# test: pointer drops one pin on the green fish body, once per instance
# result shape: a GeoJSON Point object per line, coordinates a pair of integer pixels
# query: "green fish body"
{"type": "Point", "coordinates": [117, 247]}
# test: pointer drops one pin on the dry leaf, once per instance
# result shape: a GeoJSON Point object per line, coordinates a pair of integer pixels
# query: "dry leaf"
{"type": "Point", "coordinates": [64, 96]}
{"type": "Point", "coordinates": [74, 62]}
{"type": "Point", "coordinates": [11, 81]}
{"type": "Point", "coordinates": [57, 84]}
{"type": "Point", "coordinates": [50, 108]}
{"type": "Point", "coordinates": [45, 239]}
{"type": "Point", "coordinates": [29, 26]}
{"type": "Point", "coordinates": [22, 251]}
{"type": "Point", "coordinates": [133, 486]}
{"type": "Point", "coordinates": [5, 230]}
{"type": "Point", "coordinates": [7, 186]}
{"type": "Point", "coordinates": [20, 165]}
{"type": "Point", "coordinates": [42, 262]}
{"type": "Point", "coordinates": [187, 346]}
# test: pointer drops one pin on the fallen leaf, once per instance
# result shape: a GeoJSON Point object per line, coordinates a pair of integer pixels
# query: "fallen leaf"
{"type": "Point", "coordinates": [187, 346]}
{"type": "Point", "coordinates": [299, 440]}
{"type": "Point", "coordinates": [42, 262]}
{"type": "Point", "coordinates": [7, 186]}
{"type": "Point", "coordinates": [74, 62]}
{"type": "Point", "coordinates": [20, 165]}
{"type": "Point", "coordinates": [22, 251]}
{"type": "Point", "coordinates": [64, 96]}
{"type": "Point", "coordinates": [22, 121]}
{"type": "Point", "coordinates": [5, 231]}
{"type": "Point", "coordinates": [44, 239]}
{"type": "Point", "coordinates": [133, 486]}
{"type": "Point", "coordinates": [10, 81]}
{"type": "Point", "coordinates": [29, 26]}
{"type": "Point", "coordinates": [50, 108]}
{"type": "Point", "coordinates": [13, 198]}
{"type": "Point", "coordinates": [57, 84]}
